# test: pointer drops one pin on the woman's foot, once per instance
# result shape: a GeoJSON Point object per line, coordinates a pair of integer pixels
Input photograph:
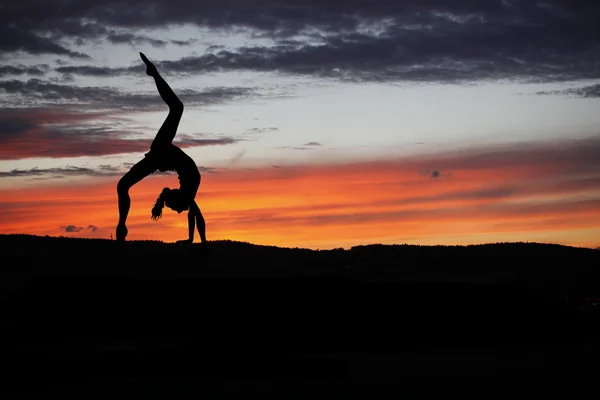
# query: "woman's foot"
{"type": "Point", "coordinates": [150, 68]}
{"type": "Point", "coordinates": [121, 232]}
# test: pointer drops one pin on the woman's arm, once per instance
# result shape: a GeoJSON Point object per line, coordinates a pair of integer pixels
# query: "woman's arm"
{"type": "Point", "coordinates": [191, 225]}
{"type": "Point", "coordinates": [201, 225]}
{"type": "Point", "coordinates": [195, 218]}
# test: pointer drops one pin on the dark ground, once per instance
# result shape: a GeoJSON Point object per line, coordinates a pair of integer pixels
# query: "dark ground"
{"type": "Point", "coordinates": [87, 318]}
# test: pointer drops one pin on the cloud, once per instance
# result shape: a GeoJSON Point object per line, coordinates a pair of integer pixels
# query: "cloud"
{"type": "Point", "coordinates": [207, 170]}
{"type": "Point", "coordinates": [56, 133]}
{"type": "Point", "coordinates": [591, 91]}
{"type": "Point", "coordinates": [76, 229]}
{"type": "Point", "coordinates": [254, 131]}
{"type": "Point", "coordinates": [455, 56]}
{"type": "Point", "coordinates": [14, 38]}
{"type": "Point", "coordinates": [130, 38]}
{"type": "Point", "coordinates": [71, 228]}
{"type": "Point", "coordinates": [237, 157]}
{"type": "Point", "coordinates": [70, 170]}
{"type": "Point", "coordinates": [37, 91]}
{"type": "Point", "coordinates": [65, 171]}
{"type": "Point", "coordinates": [435, 173]}
{"type": "Point", "coordinates": [187, 42]}
{"type": "Point", "coordinates": [58, 144]}
{"type": "Point", "coordinates": [98, 71]}
{"type": "Point", "coordinates": [34, 70]}
{"type": "Point", "coordinates": [350, 40]}
{"type": "Point", "coordinates": [182, 140]}
{"type": "Point", "coordinates": [306, 146]}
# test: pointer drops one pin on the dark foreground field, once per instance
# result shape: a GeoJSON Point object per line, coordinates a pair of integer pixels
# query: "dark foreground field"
{"type": "Point", "coordinates": [84, 318]}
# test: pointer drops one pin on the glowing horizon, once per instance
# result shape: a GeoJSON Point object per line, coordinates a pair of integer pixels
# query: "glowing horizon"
{"type": "Point", "coordinates": [545, 194]}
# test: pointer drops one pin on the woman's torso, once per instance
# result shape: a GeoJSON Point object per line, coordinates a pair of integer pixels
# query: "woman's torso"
{"type": "Point", "coordinates": [173, 158]}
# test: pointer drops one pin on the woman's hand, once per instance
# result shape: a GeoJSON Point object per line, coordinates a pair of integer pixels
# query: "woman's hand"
{"type": "Point", "coordinates": [184, 241]}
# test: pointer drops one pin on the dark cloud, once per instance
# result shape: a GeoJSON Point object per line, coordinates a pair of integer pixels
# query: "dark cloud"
{"type": "Point", "coordinates": [207, 170]}
{"type": "Point", "coordinates": [75, 229]}
{"type": "Point", "coordinates": [435, 173]}
{"type": "Point", "coordinates": [591, 91]}
{"type": "Point", "coordinates": [403, 55]}
{"type": "Point", "coordinates": [189, 142]}
{"type": "Point", "coordinates": [13, 127]}
{"type": "Point", "coordinates": [237, 157]}
{"type": "Point", "coordinates": [130, 38]}
{"type": "Point", "coordinates": [187, 42]}
{"type": "Point", "coordinates": [14, 38]}
{"type": "Point", "coordinates": [201, 169]}
{"type": "Point", "coordinates": [65, 78]}
{"type": "Point", "coordinates": [35, 70]}
{"type": "Point", "coordinates": [99, 72]}
{"type": "Point", "coordinates": [215, 47]}
{"type": "Point", "coordinates": [91, 142]}
{"type": "Point", "coordinates": [293, 148]}
{"type": "Point", "coordinates": [56, 133]}
{"type": "Point", "coordinates": [37, 91]}
{"type": "Point", "coordinates": [354, 40]}
{"type": "Point", "coordinates": [69, 170]}
{"type": "Point", "coordinates": [71, 228]}
{"type": "Point", "coordinates": [63, 172]}
{"type": "Point", "coordinates": [305, 146]}
{"type": "Point", "coordinates": [256, 131]}
{"type": "Point", "coordinates": [41, 92]}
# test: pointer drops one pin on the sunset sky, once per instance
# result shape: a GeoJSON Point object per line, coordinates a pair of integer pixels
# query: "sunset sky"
{"type": "Point", "coordinates": [317, 124]}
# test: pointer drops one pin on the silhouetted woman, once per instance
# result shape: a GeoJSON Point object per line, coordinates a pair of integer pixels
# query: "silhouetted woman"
{"type": "Point", "coordinates": [165, 156]}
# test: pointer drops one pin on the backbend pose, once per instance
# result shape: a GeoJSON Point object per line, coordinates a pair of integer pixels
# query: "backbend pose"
{"type": "Point", "coordinates": [165, 156]}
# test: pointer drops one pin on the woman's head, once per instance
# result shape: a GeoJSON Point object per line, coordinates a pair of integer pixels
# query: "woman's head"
{"type": "Point", "coordinates": [172, 198]}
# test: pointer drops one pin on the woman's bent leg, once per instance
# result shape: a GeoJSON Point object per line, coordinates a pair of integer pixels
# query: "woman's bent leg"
{"type": "Point", "coordinates": [138, 172]}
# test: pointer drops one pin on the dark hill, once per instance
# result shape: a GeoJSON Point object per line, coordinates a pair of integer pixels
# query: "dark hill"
{"type": "Point", "coordinates": [89, 310]}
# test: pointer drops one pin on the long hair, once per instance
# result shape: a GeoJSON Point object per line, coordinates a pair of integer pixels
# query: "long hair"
{"type": "Point", "coordinates": [160, 203]}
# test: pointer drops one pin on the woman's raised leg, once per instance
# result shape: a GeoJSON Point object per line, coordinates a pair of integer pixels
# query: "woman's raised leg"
{"type": "Point", "coordinates": [167, 131]}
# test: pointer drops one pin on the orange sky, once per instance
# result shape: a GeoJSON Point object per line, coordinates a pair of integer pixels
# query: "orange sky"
{"type": "Point", "coordinates": [516, 195]}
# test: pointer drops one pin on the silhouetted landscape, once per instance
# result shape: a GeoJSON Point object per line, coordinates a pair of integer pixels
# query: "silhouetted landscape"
{"type": "Point", "coordinates": [98, 318]}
